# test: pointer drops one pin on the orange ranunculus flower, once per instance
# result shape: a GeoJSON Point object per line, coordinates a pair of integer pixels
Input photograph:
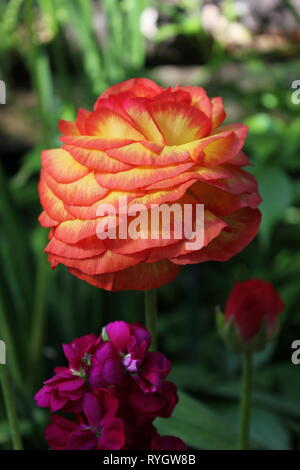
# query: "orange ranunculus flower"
{"type": "Point", "coordinates": [154, 146]}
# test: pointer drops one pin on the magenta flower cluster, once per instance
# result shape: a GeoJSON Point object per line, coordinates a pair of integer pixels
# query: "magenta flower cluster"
{"type": "Point", "coordinates": [113, 389]}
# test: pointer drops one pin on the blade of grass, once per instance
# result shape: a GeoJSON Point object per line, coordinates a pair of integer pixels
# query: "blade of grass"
{"type": "Point", "coordinates": [41, 77]}
{"type": "Point", "coordinates": [49, 9]}
{"type": "Point", "coordinates": [113, 51]}
{"type": "Point", "coordinates": [16, 244]}
{"type": "Point", "coordinates": [136, 41]}
{"type": "Point", "coordinates": [80, 17]}
{"type": "Point", "coordinates": [10, 409]}
{"type": "Point", "coordinates": [38, 319]}
{"type": "Point", "coordinates": [9, 21]}
{"type": "Point", "coordinates": [6, 336]}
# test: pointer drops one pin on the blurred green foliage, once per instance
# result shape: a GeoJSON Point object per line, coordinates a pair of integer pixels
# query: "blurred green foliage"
{"type": "Point", "coordinates": [66, 52]}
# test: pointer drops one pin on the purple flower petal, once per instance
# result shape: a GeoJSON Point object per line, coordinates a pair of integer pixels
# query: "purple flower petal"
{"type": "Point", "coordinates": [92, 410]}
{"type": "Point", "coordinates": [119, 334]}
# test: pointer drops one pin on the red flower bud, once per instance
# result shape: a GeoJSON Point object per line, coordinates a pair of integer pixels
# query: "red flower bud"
{"type": "Point", "coordinates": [251, 315]}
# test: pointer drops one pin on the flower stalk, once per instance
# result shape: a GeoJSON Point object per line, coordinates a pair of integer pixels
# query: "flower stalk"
{"type": "Point", "coordinates": [245, 404]}
{"type": "Point", "coordinates": [10, 409]}
{"type": "Point", "coordinates": [151, 316]}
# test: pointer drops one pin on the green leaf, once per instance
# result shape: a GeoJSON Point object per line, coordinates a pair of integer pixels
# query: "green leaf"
{"type": "Point", "coordinates": [198, 426]}
{"type": "Point", "coordinates": [277, 193]}
{"type": "Point", "coordinates": [193, 377]}
{"type": "Point", "coordinates": [262, 397]}
{"type": "Point", "coordinates": [267, 431]}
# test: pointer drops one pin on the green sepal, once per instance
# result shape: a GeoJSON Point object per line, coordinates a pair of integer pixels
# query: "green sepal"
{"type": "Point", "coordinates": [234, 340]}
{"type": "Point", "coordinates": [104, 334]}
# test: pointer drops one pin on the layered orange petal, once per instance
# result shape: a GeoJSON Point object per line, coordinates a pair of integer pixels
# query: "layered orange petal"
{"type": "Point", "coordinates": [213, 226]}
{"type": "Point", "coordinates": [196, 173]}
{"type": "Point", "coordinates": [141, 116]}
{"type": "Point", "coordinates": [83, 192]}
{"type": "Point", "coordinates": [139, 177]}
{"type": "Point", "coordinates": [68, 127]}
{"type": "Point", "coordinates": [73, 231]}
{"type": "Point", "coordinates": [96, 160]}
{"type": "Point", "coordinates": [46, 221]}
{"type": "Point", "coordinates": [93, 143]}
{"type": "Point", "coordinates": [61, 166]}
{"type": "Point", "coordinates": [161, 196]}
{"type": "Point", "coordinates": [140, 87]}
{"type": "Point", "coordinates": [221, 202]}
{"type": "Point", "coordinates": [179, 123]}
{"type": "Point", "coordinates": [107, 124]}
{"type": "Point", "coordinates": [199, 99]}
{"type": "Point", "coordinates": [107, 262]}
{"type": "Point", "coordinates": [112, 198]}
{"type": "Point", "coordinates": [59, 248]}
{"type": "Point", "coordinates": [243, 225]}
{"type": "Point", "coordinates": [240, 181]}
{"type": "Point", "coordinates": [52, 205]}
{"type": "Point", "coordinates": [139, 153]}
{"type": "Point", "coordinates": [217, 111]}
{"type": "Point", "coordinates": [148, 146]}
{"type": "Point", "coordinates": [143, 276]}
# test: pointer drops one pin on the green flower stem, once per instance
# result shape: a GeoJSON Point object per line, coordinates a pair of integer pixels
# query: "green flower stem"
{"type": "Point", "coordinates": [245, 404]}
{"type": "Point", "coordinates": [151, 316]}
{"type": "Point", "coordinates": [10, 409]}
